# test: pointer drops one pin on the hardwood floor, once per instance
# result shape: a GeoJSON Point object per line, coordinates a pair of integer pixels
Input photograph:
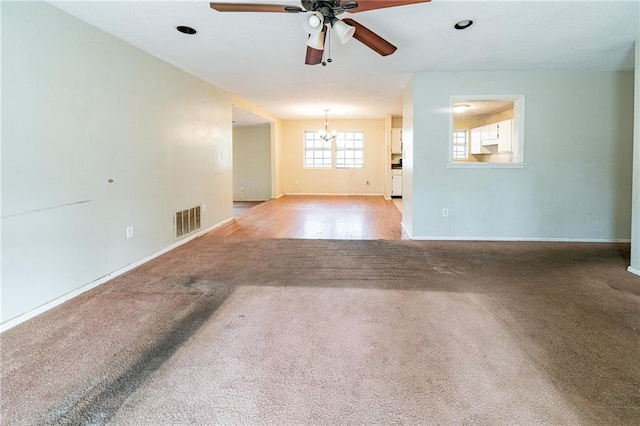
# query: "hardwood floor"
{"type": "Point", "coordinates": [240, 207]}
{"type": "Point", "coordinates": [318, 217]}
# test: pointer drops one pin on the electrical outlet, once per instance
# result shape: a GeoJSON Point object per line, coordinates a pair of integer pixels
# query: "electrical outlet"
{"type": "Point", "coordinates": [129, 232]}
{"type": "Point", "coordinates": [242, 188]}
{"type": "Point", "coordinates": [204, 208]}
{"type": "Point", "coordinates": [223, 155]}
{"type": "Point", "coordinates": [445, 212]}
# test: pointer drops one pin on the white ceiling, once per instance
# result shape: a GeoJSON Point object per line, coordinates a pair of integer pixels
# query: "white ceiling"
{"type": "Point", "coordinates": [260, 56]}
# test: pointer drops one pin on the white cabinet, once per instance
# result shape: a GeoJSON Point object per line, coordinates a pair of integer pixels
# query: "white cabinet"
{"type": "Point", "coordinates": [396, 141]}
{"type": "Point", "coordinates": [485, 138]}
{"type": "Point", "coordinates": [505, 136]}
{"type": "Point", "coordinates": [396, 183]}
{"type": "Point", "coordinates": [476, 140]}
{"type": "Point", "coordinates": [489, 134]}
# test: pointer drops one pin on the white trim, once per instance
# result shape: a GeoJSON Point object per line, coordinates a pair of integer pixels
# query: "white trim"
{"type": "Point", "coordinates": [337, 194]}
{"type": "Point", "coordinates": [531, 239]}
{"type": "Point", "coordinates": [278, 196]}
{"type": "Point", "coordinates": [52, 304]}
{"type": "Point", "coordinates": [633, 270]}
{"type": "Point", "coordinates": [251, 199]}
{"type": "Point", "coordinates": [404, 228]}
{"type": "Point", "coordinates": [470, 165]}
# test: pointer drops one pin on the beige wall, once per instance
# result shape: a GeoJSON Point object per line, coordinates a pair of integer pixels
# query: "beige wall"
{"type": "Point", "coordinates": [252, 162]}
{"type": "Point", "coordinates": [298, 180]}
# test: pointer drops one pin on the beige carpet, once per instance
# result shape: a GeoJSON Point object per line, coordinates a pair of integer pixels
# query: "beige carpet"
{"type": "Point", "coordinates": [237, 331]}
{"type": "Point", "coordinates": [307, 355]}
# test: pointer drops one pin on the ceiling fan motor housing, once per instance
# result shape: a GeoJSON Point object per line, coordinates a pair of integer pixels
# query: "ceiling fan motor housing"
{"type": "Point", "coordinates": [329, 8]}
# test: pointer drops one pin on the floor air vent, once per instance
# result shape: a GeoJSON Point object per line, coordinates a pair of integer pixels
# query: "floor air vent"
{"type": "Point", "coordinates": [187, 221]}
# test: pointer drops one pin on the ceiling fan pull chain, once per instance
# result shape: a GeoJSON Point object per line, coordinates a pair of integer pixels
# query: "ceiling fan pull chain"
{"type": "Point", "coordinates": [328, 50]}
{"type": "Point", "coordinates": [329, 53]}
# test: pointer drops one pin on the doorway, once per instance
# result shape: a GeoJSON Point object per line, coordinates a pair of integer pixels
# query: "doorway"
{"type": "Point", "coordinates": [251, 160]}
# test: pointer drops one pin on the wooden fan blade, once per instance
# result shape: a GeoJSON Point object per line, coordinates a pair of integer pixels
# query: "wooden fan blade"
{"type": "Point", "coordinates": [364, 5]}
{"type": "Point", "coordinates": [370, 39]}
{"type": "Point", "coordinates": [314, 56]}
{"type": "Point", "coordinates": [253, 7]}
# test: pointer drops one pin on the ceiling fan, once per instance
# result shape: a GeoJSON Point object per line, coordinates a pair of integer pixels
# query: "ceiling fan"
{"type": "Point", "coordinates": [321, 16]}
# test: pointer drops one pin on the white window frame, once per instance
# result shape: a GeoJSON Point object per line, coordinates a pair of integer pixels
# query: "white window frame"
{"type": "Point", "coordinates": [518, 133]}
{"type": "Point", "coordinates": [334, 149]}
{"type": "Point", "coordinates": [350, 153]}
{"type": "Point", "coordinates": [313, 166]}
{"type": "Point", "coordinates": [464, 145]}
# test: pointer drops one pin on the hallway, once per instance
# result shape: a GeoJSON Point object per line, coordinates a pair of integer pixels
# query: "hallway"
{"type": "Point", "coordinates": [318, 217]}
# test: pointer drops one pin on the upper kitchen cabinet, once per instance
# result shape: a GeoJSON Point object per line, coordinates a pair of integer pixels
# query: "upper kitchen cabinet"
{"type": "Point", "coordinates": [489, 133]}
{"type": "Point", "coordinates": [492, 138]}
{"type": "Point", "coordinates": [396, 141]}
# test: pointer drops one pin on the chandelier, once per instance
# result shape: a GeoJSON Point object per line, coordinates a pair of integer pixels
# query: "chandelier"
{"type": "Point", "coordinates": [324, 133]}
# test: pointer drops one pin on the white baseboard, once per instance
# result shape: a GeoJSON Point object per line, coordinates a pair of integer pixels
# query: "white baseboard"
{"type": "Point", "coordinates": [251, 200]}
{"type": "Point", "coordinates": [52, 304]}
{"type": "Point", "coordinates": [278, 196]}
{"type": "Point", "coordinates": [406, 230]}
{"type": "Point", "coordinates": [336, 194]}
{"type": "Point", "coordinates": [634, 270]}
{"type": "Point", "coordinates": [530, 239]}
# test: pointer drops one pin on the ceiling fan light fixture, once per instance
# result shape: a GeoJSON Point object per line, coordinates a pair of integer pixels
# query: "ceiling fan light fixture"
{"type": "Point", "coordinates": [313, 22]}
{"type": "Point", "coordinates": [343, 31]}
{"type": "Point", "coordinates": [316, 41]}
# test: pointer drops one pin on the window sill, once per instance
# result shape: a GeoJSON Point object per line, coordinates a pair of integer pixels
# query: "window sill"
{"type": "Point", "coordinates": [463, 165]}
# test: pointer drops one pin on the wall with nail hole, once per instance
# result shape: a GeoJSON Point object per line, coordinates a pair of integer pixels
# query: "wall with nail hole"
{"type": "Point", "coordinates": [97, 136]}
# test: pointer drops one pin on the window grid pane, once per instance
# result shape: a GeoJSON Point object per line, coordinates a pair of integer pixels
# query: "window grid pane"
{"type": "Point", "coordinates": [317, 151]}
{"type": "Point", "coordinates": [350, 150]}
{"type": "Point", "coordinates": [460, 145]}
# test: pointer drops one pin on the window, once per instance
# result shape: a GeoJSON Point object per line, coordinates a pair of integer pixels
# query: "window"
{"type": "Point", "coordinates": [486, 131]}
{"type": "Point", "coordinates": [460, 145]}
{"type": "Point", "coordinates": [349, 150]}
{"type": "Point", "coordinates": [319, 153]}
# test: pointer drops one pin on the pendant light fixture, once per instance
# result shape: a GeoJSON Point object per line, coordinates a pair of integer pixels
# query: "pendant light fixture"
{"type": "Point", "coordinates": [324, 133]}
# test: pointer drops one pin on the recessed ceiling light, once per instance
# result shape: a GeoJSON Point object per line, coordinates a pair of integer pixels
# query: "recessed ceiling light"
{"type": "Point", "coordinates": [463, 25]}
{"type": "Point", "coordinates": [186, 30]}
